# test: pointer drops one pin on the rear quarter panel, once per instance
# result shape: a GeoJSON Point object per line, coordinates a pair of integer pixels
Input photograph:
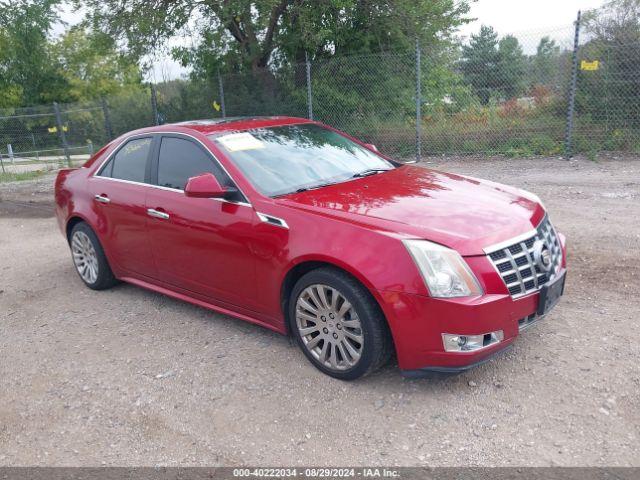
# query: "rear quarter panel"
{"type": "Point", "coordinates": [67, 195]}
{"type": "Point", "coordinates": [71, 195]}
{"type": "Point", "coordinates": [73, 199]}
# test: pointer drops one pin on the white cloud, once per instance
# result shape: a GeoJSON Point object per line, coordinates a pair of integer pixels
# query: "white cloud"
{"type": "Point", "coordinates": [529, 20]}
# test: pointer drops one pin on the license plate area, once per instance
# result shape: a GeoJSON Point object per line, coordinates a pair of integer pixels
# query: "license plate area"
{"type": "Point", "coordinates": [550, 295]}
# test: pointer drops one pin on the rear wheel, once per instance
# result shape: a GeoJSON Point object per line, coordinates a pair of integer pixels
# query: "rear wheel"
{"type": "Point", "coordinates": [89, 258]}
{"type": "Point", "coordinates": [338, 324]}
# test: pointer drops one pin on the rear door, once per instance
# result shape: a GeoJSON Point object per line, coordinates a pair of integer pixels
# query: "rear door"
{"type": "Point", "coordinates": [119, 190]}
{"type": "Point", "coordinates": [199, 244]}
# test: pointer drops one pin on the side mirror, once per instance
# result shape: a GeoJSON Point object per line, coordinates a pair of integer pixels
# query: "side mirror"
{"type": "Point", "coordinates": [371, 146]}
{"type": "Point", "coordinates": [205, 186]}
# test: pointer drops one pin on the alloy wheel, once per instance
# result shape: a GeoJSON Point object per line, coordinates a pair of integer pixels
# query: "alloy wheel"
{"type": "Point", "coordinates": [84, 257]}
{"type": "Point", "coordinates": [329, 327]}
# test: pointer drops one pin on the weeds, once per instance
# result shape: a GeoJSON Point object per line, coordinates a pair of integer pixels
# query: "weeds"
{"type": "Point", "coordinates": [21, 176]}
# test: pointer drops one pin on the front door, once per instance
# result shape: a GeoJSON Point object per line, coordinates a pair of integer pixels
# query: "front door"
{"type": "Point", "coordinates": [119, 198]}
{"type": "Point", "coordinates": [199, 244]}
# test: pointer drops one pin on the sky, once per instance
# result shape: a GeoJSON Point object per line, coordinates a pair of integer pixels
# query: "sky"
{"type": "Point", "coordinates": [508, 16]}
{"type": "Point", "coordinates": [529, 20]}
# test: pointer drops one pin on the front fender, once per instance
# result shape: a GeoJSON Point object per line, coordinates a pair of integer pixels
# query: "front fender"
{"type": "Point", "coordinates": [377, 259]}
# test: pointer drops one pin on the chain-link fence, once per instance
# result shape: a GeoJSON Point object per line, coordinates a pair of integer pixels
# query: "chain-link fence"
{"type": "Point", "coordinates": [496, 95]}
{"type": "Point", "coordinates": [564, 91]}
{"type": "Point", "coordinates": [44, 137]}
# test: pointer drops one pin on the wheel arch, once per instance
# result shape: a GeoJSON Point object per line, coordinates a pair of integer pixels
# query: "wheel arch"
{"type": "Point", "coordinates": [72, 221]}
{"type": "Point", "coordinates": [305, 265]}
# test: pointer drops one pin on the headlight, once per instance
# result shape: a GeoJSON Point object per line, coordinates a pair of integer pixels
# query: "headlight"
{"type": "Point", "coordinates": [444, 271]}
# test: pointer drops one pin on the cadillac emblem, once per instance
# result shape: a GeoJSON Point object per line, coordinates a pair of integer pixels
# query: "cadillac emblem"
{"type": "Point", "coordinates": [542, 255]}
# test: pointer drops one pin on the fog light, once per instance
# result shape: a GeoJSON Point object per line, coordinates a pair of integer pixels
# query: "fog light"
{"type": "Point", "coordinates": [470, 343]}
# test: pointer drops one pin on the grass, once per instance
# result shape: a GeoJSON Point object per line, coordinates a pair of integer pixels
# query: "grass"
{"type": "Point", "coordinates": [20, 177]}
{"type": "Point", "coordinates": [494, 130]}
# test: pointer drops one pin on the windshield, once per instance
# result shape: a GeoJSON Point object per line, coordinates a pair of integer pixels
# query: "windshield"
{"type": "Point", "coordinates": [281, 160]}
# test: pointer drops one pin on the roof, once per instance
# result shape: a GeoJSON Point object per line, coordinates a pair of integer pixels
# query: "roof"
{"type": "Point", "coordinates": [207, 126]}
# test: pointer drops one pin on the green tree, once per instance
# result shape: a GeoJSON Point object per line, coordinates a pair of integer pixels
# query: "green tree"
{"type": "Point", "coordinates": [245, 34]}
{"type": "Point", "coordinates": [29, 75]}
{"type": "Point", "coordinates": [612, 93]}
{"type": "Point", "coordinates": [512, 67]}
{"type": "Point", "coordinates": [10, 92]}
{"type": "Point", "coordinates": [545, 63]}
{"type": "Point", "coordinates": [37, 69]}
{"type": "Point", "coordinates": [481, 63]}
{"type": "Point", "coordinates": [493, 68]}
{"type": "Point", "coordinates": [91, 65]}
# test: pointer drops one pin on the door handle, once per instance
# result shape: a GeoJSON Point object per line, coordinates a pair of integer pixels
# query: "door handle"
{"type": "Point", "coordinates": [102, 198]}
{"type": "Point", "coordinates": [156, 214]}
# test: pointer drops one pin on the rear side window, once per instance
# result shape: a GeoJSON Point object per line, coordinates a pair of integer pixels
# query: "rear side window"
{"type": "Point", "coordinates": [181, 159]}
{"type": "Point", "coordinates": [130, 162]}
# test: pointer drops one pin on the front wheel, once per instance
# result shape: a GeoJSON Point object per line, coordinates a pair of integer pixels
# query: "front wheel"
{"type": "Point", "coordinates": [338, 324]}
{"type": "Point", "coordinates": [89, 258]}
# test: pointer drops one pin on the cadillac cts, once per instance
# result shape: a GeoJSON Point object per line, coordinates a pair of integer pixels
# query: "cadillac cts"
{"type": "Point", "coordinates": [294, 226]}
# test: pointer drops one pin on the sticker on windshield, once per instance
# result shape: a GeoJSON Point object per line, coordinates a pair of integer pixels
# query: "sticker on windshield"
{"type": "Point", "coordinates": [235, 142]}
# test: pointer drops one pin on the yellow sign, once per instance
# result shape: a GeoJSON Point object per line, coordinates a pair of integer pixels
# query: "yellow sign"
{"type": "Point", "coordinates": [55, 129]}
{"type": "Point", "coordinates": [589, 66]}
{"type": "Point", "coordinates": [216, 106]}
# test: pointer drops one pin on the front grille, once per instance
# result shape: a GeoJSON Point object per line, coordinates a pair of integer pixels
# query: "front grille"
{"type": "Point", "coordinates": [516, 265]}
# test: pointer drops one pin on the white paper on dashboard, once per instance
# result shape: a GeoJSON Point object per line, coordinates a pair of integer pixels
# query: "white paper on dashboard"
{"type": "Point", "coordinates": [235, 142]}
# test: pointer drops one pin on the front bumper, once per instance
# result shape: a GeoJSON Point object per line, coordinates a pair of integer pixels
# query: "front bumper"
{"type": "Point", "coordinates": [435, 372]}
{"type": "Point", "coordinates": [418, 322]}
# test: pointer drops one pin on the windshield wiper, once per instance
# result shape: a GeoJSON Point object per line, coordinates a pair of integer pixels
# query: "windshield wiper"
{"type": "Point", "coordinates": [370, 171]}
{"type": "Point", "coordinates": [313, 187]}
{"type": "Point", "coordinates": [364, 173]}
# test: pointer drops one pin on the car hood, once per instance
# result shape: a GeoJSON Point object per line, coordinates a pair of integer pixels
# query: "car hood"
{"type": "Point", "coordinates": [463, 213]}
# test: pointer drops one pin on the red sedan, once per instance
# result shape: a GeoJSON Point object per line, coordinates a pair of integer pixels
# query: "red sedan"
{"type": "Point", "coordinates": [294, 226]}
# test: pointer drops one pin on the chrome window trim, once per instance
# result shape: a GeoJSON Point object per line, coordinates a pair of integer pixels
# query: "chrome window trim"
{"type": "Point", "coordinates": [150, 134]}
{"type": "Point", "coordinates": [159, 187]}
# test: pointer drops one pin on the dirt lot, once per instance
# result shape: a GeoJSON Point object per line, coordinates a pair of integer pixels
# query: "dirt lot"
{"type": "Point", "coordinates": [129, 377]}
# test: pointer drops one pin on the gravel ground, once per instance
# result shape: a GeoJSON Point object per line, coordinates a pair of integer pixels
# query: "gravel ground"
{"type": "Point", "coordinates": [130, 377]}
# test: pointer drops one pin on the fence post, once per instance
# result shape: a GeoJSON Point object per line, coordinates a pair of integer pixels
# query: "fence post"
{"type": "Point", "coordinates": [90, 148]}
{"type": "Point", "coordinates": [61, 134]}
{"type": "Point", "coordinates": [309, 97]}
{"type": "Point", "coordinates": [221, 91]}
{"type": "Point", "coordinates": [568, 136]}
{"type": "Point", "coordinates": [107, 118]}
{"type": "Point", "coordinates": [418, 102]}
{"type": "Point", "coordinates": [154, 105]}
{"type": "Point", "coordinates": [10, 151]}
{"type": "Point", "coordinates": [35, 147]}
{"type": "Point", "coordinates": [1, 163]}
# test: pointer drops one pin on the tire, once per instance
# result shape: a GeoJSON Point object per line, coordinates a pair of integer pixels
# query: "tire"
{"type": "Point", "coordinates": [89, 259]}
{"type": "Point", "coordinates": [358, 338]}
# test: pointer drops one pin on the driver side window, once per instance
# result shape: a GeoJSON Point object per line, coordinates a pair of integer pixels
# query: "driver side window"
{"type": "Point", "coordinates": [180, 159]}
